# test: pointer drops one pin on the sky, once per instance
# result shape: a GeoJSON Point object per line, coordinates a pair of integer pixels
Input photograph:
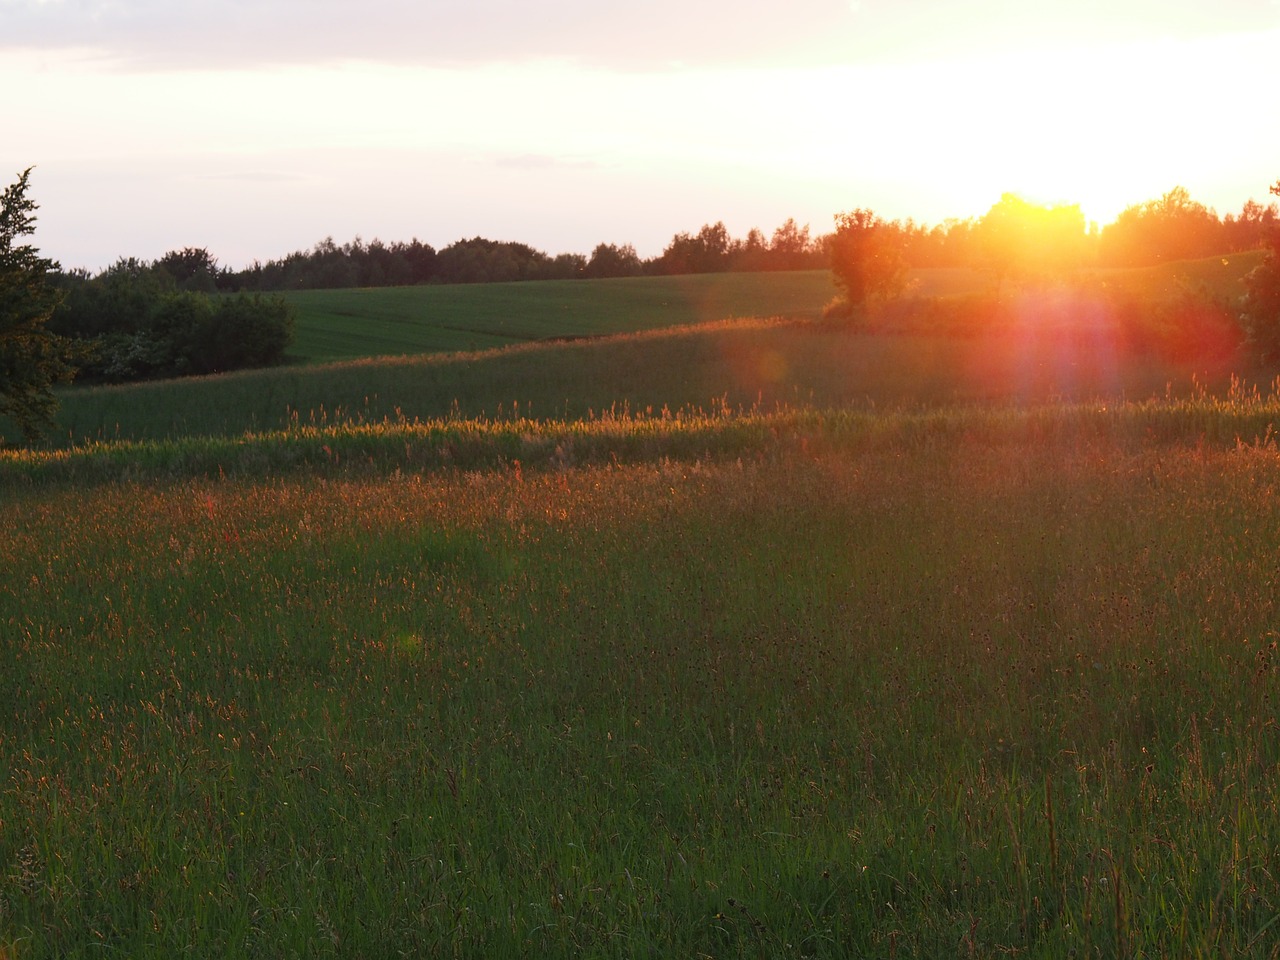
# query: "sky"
{"type": "Point", "coordinates": [255, 128]}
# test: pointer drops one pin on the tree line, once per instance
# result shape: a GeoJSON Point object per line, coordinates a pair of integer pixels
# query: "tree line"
{"type": "Point", "coordinates": [329, 265]}
{"type": "Point", "coordinates": [140, 321]}
{"type": "Point", "coordinates": [1170, 227]}
{"type": "Point", "coordinates": [1039, 253]}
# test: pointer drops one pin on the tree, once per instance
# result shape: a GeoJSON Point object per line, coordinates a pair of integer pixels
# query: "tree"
{"type": "Point", "coordinates": [1026, 242]}
{"type": "Point", "coordinates": [1262, 304]}
{"type": "Point", "coordinates": [705, 252]}
{"type": "Point", "coordinates": [1174, 227]}
{"type": "Point", "coordinates": [866, 258]}
{"type": "Point", "coordinates": [790, 246]}
{"type": "Point", "coordinates": [192, 268]}
{"type": "Point", "coordinates": [610, 260]}
{"type": "Point", "coordinates": [32, 358]}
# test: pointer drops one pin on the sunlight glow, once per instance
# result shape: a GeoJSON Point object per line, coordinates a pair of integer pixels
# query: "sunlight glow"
{"type": "Point", "coordinates": [565, 156]}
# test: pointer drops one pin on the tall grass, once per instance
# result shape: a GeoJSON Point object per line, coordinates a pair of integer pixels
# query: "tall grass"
{"type": "Point", "coordinates": [1243, 416]}
{"type": "Point", "coordinates": [990, 687]}
{"type": "Point", "coordinates": [785, 664]}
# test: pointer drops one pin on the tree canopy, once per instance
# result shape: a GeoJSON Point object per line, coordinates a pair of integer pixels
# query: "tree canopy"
{"type": "Point", "coordinates": [866, 257]}
{"type": "Point", "coordinates": [31, 358]}
{"type": "Point", "coordinates": [1262, 305]}
{"type": "Point", "coordinates": [1028, 243]}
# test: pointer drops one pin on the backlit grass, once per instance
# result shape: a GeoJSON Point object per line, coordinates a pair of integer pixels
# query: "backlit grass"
{"type": "Point", "coordinates": [744, 640]}
{"type": "Point", "coordinates": [978, 682]}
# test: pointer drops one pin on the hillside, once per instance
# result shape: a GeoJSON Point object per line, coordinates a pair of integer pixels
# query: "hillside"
{"type": "Point", "coordinates": [404, 359]}
{"type": "Point", "coordinates": [394, 321]}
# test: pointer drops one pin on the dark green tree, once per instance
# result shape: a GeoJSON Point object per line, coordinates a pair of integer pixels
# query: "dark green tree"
{"type": "Point", "coordinates": [707, 251]}
{"type": "Point", "coordinates": [242, 331]}
{"type": "Point", "coordinates": [610, 260]}
{"type": "Point", "coordinates": [32, 359]}
{"type": "Point", "coordinates": [192, 268]}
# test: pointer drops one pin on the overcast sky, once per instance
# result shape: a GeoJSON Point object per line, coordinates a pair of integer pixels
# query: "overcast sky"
{"type": "Point", "coordinates": [258, 127]}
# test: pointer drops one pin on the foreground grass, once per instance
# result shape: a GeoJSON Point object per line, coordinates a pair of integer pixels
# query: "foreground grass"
{"type": "Point", "coordinates": [970, 682]}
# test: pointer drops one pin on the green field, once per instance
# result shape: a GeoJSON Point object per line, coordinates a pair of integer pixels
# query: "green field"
{"type": "Point", "coordinates": [759, 364]}
{"type": "Point", "coordinates": [746, 639]}
{"type": "Point", "coordinates": [350, 324]}
{"type": "Point", "coordinates": [397, 321]}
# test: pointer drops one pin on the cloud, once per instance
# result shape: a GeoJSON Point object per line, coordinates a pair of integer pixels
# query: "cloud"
{"type": "Point", "coordinates": [220, 33]}
{"type": "Point", "coordinates": [542, 161]}
{"type": "Point", "coordinates": [253, 176]}
{"type": "Point", "coordinates": [215, 34]}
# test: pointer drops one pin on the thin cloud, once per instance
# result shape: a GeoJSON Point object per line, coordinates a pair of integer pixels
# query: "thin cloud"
{"type": "Point", "coordinates": [220, 34]}
{"type": "Point", "coordinates": [542, 161]}
{"type": "Point", "coordinates": [254, 176]}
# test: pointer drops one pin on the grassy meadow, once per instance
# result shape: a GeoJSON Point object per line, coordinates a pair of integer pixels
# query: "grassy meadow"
{"type": "Point", "coordinates": [744, 639]}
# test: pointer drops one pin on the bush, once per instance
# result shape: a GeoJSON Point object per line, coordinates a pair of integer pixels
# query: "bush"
{"type": "Point", "coordinates": [866, 258]}
{"type": "Point", "coordinates": [1262, 306]}
{"type": "Point", "coordinates": [185, 333]}
{"type": "Point", "coordinates": [243, 331]}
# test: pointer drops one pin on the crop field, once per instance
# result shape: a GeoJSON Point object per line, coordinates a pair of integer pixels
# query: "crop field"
{"type": "Point", "coordinates": [863, 646]}
{"type": "Point", "coordinates": [740, 365]}
{"type": "Point", "coordinates": [350, 324]}
{"type": "Point", "coordinates": [398, 321]}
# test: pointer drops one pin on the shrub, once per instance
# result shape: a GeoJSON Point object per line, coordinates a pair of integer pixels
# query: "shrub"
{"type": "Point", "coordinates": [1262, 306]}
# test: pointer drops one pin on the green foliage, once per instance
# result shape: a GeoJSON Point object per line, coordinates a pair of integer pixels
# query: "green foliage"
{"type": "Point", "coordinates": [1262, 306]}
{"type": "Point", "coordinates": [247, 330]}
{"type": "Point", "coordinates": [192, 268]}
{"type": "Point", "coordinates": [1261, 316]}
{"type": "Point", "coordinates": [609, 260]}
{"type": "Point", "coordinates": [32, 359]}
{"type": "Point", "coordinates": [707, 251]}
{"type": "Point", "coordinates": [150, 320]}
{"type": "Point", "coordinates": [866, 258]}
{"type": "Point", "coordinates": [489, 261]}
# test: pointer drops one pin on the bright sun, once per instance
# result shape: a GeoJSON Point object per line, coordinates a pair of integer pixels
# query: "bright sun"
{"type": "Point", "coordinates": [1086, 126]}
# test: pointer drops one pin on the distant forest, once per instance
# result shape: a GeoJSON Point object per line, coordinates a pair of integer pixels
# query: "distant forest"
{"type": "Point", "coordinates": [1173, 227]}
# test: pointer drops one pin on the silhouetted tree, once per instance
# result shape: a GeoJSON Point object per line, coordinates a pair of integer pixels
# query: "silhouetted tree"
{"type": "Point", "coordinates": [608, 260]}
{"type": "Point", "coordinates": [789, 249]}
{"type": "Point", "coordinates": [192, 268]}
{"type": "Point", "coordinates": [707, 251]}
{"type": "Point", "coordinates": [866, 258]}
{"type": "Point", "coordinates": [1174, 227]}
{"type": "Point", "coordinates": [32, 358]}
{"type": "Point", "coordinates": [1262, 304]}
{"type": "Point", "coordinates": [1251, 229]}
{"type": "Point", "coordinates": [1027, 242]}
